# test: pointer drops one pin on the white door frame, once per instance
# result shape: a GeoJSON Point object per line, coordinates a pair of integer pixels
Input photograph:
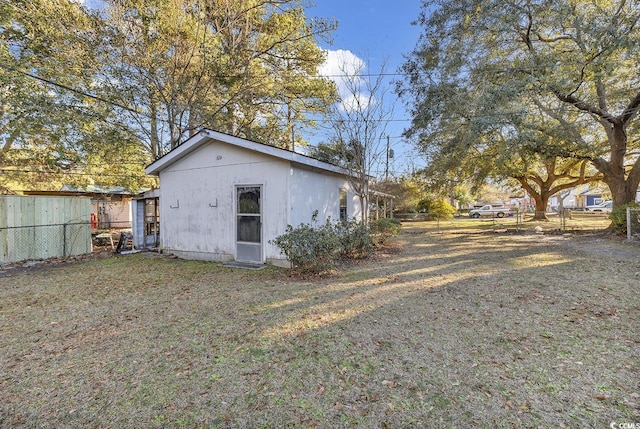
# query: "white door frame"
{"type": "Point", "coordinates": [250, 249]}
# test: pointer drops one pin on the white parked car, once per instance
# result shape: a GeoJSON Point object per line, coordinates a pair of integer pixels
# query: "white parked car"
{"type": "Point", "coordinates": [606, 206]}
{"type": "Point", "coordinates": [489, 210]}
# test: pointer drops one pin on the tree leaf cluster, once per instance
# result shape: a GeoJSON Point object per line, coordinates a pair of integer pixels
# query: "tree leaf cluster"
{"type": "Point", "coordinates": [507, 89]}
{"type": "Point", "coordinates": [248, 68]}
{"type": "Point", "coordinates": [92, 95]}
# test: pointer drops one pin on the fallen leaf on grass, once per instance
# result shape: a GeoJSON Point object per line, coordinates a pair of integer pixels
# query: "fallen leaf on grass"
{"type": "Point", "coordinates": [389, 383]}
{"type": "Point", "coordinates": [524, 407]}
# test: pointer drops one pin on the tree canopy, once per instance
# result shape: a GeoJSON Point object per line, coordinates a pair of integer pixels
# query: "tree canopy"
{"type": "Point", "coordinates": [47, 123]}
{"type": "Point", "coordinates": [95, 94]}
{"type": "Point", "coordinates": [247, 67]}
{"type": "Point", "coordinates": [492, 83]}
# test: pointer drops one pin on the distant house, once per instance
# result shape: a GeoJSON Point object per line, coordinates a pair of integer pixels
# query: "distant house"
{"type": "Point", "coordinates": [590, 197]}
{"type": "Point", "coordinates": [582, 196]}
{"type": "Point", "coordinates": [578, 197]}
{"type": "Point", "coordinates": [225, 198]}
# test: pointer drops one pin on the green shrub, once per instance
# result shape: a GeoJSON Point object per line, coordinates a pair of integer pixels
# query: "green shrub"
{"type": "Point", "coordinates": [441, 209]}
{"type": "Point", "coordinates": [618, 217]}
{"type": "Point", "coordinates": [424, 205]}
{"type": "Point", "coordinates": [309, 247]}
{"type": "Point", "coordinates": [356, 240]}
{"type": "Point", "coordinates": [313, 248]}
{"type": "Point", "coordinates": [384, 228]}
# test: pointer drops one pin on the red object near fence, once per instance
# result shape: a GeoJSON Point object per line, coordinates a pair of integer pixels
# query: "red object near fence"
{"type": "Point", "coordinates": [94, 221]}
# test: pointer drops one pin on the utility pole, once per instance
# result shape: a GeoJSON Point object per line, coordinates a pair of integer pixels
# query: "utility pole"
{"type": "Point", "coordinates": [386, 169]}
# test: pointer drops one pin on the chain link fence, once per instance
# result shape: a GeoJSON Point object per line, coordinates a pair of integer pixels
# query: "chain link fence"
{"type": "Point", "coordinates": [566, 220]}
{"type": "Point", "coordinates": [19, 243]}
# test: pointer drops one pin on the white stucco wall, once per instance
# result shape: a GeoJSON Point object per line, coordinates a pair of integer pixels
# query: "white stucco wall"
{"type": "Point", "coordinates": [197, 199]}
{"type": "Point", "coordinates": [197, 204]}
{"type": "Point", "coordinates": [311, 191]}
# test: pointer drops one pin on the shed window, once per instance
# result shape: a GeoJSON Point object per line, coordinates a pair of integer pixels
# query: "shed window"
{"type": "Point", "coordinates": [343, 205]}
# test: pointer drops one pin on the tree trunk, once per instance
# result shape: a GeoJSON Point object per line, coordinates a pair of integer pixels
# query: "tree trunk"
{"type": "Point", "coordinates": [540, 196]}
{"type": "Point", "coordinates": [622, 191]}
{"type": "Point", "coordinates": [364, 207]}
{"type": "Point", "coordinates": [562, 195]}
{"type": "Point", "coordinates": [541, 200]}
{"type": "Point", "coordinates": [155, 140]}
{"type": "Point", "coordinates": [623, 186]}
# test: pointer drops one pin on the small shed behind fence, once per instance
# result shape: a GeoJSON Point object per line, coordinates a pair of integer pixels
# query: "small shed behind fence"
{"type": "Point", "coordinates": [110, 206]}
{"type": "Point", "coordinates": [36, 227]}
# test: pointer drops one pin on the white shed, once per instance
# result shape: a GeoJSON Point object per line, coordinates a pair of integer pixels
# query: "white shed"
{"type": "Point", "coordinates": [223, 198]}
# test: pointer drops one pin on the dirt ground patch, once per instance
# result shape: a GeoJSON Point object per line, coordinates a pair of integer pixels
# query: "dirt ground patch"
{"type": "Point", "coordinates": [446, 329]}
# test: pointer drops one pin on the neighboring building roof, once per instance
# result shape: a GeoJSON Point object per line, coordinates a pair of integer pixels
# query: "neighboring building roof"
{"type": "Point", "coordinates": [206, 136]}
{"type": "Point", "coordinates": [151, 193]}
{"type": "Point", "coordinates": [93, 189]}
{"type": "Point", "coordinates": [380, 194]}
{"type": "Point", "coordinates": [90, 191]}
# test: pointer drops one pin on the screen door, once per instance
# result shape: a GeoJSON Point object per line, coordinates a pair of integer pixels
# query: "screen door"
{"type": "Point", "coordinates": [249, 224]}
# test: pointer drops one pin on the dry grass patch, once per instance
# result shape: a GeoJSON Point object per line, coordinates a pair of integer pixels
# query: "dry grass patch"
{"type": "Point", "coordinates": [485, 329]}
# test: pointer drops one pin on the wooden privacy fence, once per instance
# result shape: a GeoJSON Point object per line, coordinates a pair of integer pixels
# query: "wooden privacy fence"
{"type": "Point", "coordinates": [34, 227]}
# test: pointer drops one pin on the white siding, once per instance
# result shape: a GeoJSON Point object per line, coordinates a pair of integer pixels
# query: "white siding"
{"type": "Point", "coordinates": [198, 185]}
{"type": "Point", "coordinates": [197, 207]}
{"type": "Point", "coordinates": [311, 191]}
{"type": "Point", "coordinates": [137, 226]}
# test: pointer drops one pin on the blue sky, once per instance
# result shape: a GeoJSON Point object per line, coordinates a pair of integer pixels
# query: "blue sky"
{"type": "Point", "coordinates": [377, 31]}
{"type": "Point", "coordinates": [374, 28]}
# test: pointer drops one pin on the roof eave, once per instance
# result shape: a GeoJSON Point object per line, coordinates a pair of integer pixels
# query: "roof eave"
{"type": "Point", "coordinates": [207, 135]}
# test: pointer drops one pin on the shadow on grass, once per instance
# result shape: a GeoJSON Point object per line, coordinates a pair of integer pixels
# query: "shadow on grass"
{"type": "Point", "coordinates": [490, 330]}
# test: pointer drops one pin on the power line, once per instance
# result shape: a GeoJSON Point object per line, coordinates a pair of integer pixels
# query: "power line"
{"type": "Point", "coordinates": [65, 173]}
{"type": "Point", "coordinates": [68, 88]}
{"type": "Point", "coordinates": [359, 75]}
{"type": "Point", "coordinates": [113, 103]}
{"type": "Point", "coordinates": [305, 120]}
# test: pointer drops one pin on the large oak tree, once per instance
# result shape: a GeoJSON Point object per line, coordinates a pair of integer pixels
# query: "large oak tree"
{"type": "Point", "coordinates": [494, 67]}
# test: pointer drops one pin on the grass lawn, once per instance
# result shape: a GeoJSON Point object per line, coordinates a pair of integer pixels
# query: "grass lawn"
{"type": "Point", "coordinates": [453, 325]}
